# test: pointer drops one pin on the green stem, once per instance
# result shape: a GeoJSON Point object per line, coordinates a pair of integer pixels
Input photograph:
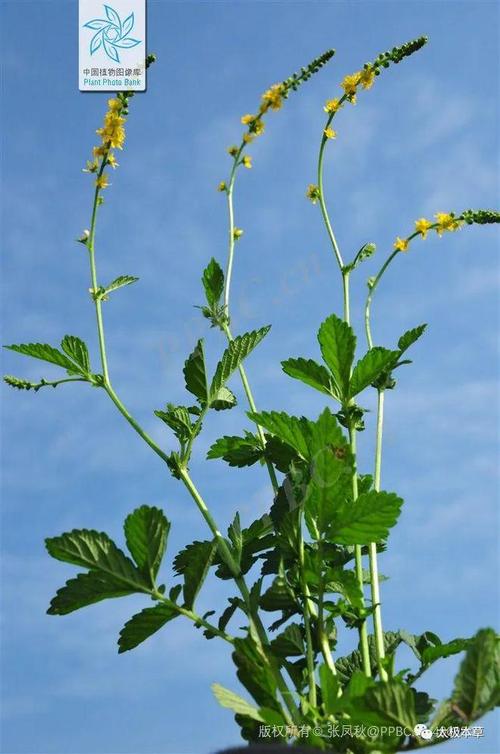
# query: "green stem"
{"type": "Point", "coordinates": [322, 637]}
{"type": "Point", "coordinates": [307, 623]}
{"type": "Point", "coordinates": [358, 559]}
{"type": "Point", "coordinates": [322, 203]}
{"type": "Point", "coordinates": [254, 618]}
{"type": "Point", "coordinates": [253, 408]}
{"type": "Point", "coordinates": [193, 617]}
{"type": "Point", "coordinates": [372, 549]}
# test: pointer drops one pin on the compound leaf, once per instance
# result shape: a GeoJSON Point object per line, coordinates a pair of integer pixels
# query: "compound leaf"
{"type": "Point", "coordinates": [146, 533]}
{"type": "Point", "coordinates": [338, 343]}
{"type": "Point", "coordinates": [143, 625]}
{"type": "Point", "coordinates": [238, 349]}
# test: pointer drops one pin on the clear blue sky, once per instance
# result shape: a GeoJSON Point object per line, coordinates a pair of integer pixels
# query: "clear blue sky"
{"type": "Point", "coordinates": [424, 139]}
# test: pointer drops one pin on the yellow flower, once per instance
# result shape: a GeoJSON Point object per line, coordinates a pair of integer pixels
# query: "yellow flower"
{"type": "Point", "coordinates": [422, 226]}
{"type": "Point", "coordinates": [247, 119]}
{"type": "Point", "coordinates": [248, 138]}
{"type": "Point", "coordinates": [90, 167]}
{"type": "Point", "coordinates": [222, 186]}
{"type": "Point", "coordinates": [332, 105]}
{"type": "Point", "coordinates": [111, 159]}
{"type": "Point", "coordinates": [247, 161]}
{"type": "Point", "coordinates": [233, 151]}
{"type": "Point", "coordinates": [114, 104]}
{"type": "Point", "coordinates": [113, 133]}
{"type": "Point", "coordinates": [273, 97]}
{"type": "Point", "coordinates": [367, 77]}
{"type": "Point", "coordinates": [446, 222]}
{"type": "Point", "coordinates": [330, 133]}
{"type": "Point", "coordinates": [401, 244]}
{"type": "Point", "coordinates": [258, 127]}
{"type": "Point", "coordinates": [312, 193]}
{"type": "Point", "coordinates": [102, 181]}
{"type": "Point", "coordinates": [99, 151]}
{"type": "Point", "coordinates": [237, 233]}
{"type": "Point", "coordinates": [349, 83]}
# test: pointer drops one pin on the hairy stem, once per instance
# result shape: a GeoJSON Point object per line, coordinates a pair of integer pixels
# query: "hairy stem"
{"type": "Point", "coordinates": [307, 622]}
{"type": "Point", "coordinates": [322, 202]}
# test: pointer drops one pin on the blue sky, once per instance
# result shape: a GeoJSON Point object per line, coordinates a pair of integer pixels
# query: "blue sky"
{"type": "Point", "coordinates": [424, 139]}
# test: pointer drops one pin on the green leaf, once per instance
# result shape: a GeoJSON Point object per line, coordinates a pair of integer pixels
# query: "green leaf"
{"type": "Point", "coordinates": [234, 702]}
{"type": "Point", "coordinates": [120, 282]}
{"type": "Point", "coordinates": [346, 584]}
{"type": "Point", "coordinates": [76, 350]}
{"type": "Point", "coordinates": [410, 337]}
{"type": "Point", "coordinates": [195, 373]}
{"type": "Point", "coordinates": [433, 653]}
{"type": "Point", "coordinates": [376, 361]}
{"type": "Point", "coordinates": [394, 701]}
{"type": "Point", "coordinates": [193, 563]}
{"type": "Point", "coordinates": [279, 453]}
{"type": "Point", "coordinates": [329, 487]}
{"type": "Point", "coordinates": [87, 589]}
{"type": "Point", "coordinates": [329, 689]}
{"type": "Point", "coordinates": [213, 282]}
{"type": "Point", "coordinates": [477, 684]}
{"type": "Point", "coordinates": [367, 519]}
{"type": "Point", "coordinates": [237, 350]}
{"type": "Point", "coordinates": [279, 596]}
{"type": "Point", "coordinates": [44, 352]}
{"type": "Point", "coordinates": [254, 672]}
{"type": "Point", "coordinates": [293, 430]}
{"type": "Point", "coordinates": [237, 451]}
{"type": "Point", "coordinates": [143, 625]}
{"type": "Point", "coordinates": [146, 533]}
{"type": "Point", "coordinates": [338, 343]}
{"type": "Point", "coordinates": [236, 537]}
{"type": "Point", "coordinates": [179, 421]}
{"type": "Point", "coordinates": [96, 551]}
{"type": "Point", "coordinates": [309, 372]}
{"type": "Point", "coordinates": [290, 642]}
{"type": "Point", "coordinates": [223, 400]}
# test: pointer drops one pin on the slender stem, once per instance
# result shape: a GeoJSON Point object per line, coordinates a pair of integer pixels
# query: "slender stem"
{"type": "Point", "coordinates": [372, 549]}
{"type": "Point", "coordinates": [322, 203]}
{"type": "Point", "coordinates": [322, 637]}
{"type": "Point", "coordinates": [253, 408]}
{"type": "Point", "coordinates": [254, 618]}
{"type": "Point", "coordinates": [373, 285]}
{"type": "Point", "coordinates": [307, 622]}
{"type": "Point", "coordinates": [363, 633]}
{"type": "Point", "coordinates": [192, 615]}
{"type": "Point", "coordinates": [358, 559]}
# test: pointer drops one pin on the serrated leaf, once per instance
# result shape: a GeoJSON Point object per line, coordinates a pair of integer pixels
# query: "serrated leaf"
{"type": "Point", "coordinates": [77, 351]}
{"type": "Point", "coordinates": [254, 672]}
{"type": "Point", "coordinates": [376, 361]}
{"type": "Point", "coordinates": [120, 282]}
{"type": "Point", "coordinates": [143, 625]}
{"type": "Point", "coordinates": [410, 337]}
{"type": "Point", "coordinates": [338, 344]}
{"type": "Point", "coordinates": [432, 653]}
{"type": "Point", "coordinates": [96, 551]}
{"type": "Point", "coordinates": [367, 519]}
{"type": "Point", "coordinates": [328, 489]}
{"type": "Point", "coordinates": [477, 684]}
{"type": "Point", "coordinates": [195, 373]}
{"type": "Point", "coordinates": [87, 589]}
{"type": "Point", "coordinates": [278, 596]}
{"type": "Point", "coordinates": [329, 689]}
{"type": "Point", "coordinates": [224, 399]}
{"type": "Point", "coordinates": [237, 451]}
{"type": "Point", "coordinates": [279, 453]}
{"type": "Point", "coordinates": [238, 349]}
{"type": "Point", "coordinates": [309, 372]}
{"type": "Point", "coordinates": [213, 282]}
{"type": "Point", "coordinates": [290, 643]}
{"type": "Point", "coordinates": [236, 537]}
{"type": "Point", "coordinates": [193, 564]}
{"type": "Point", "coordinates": [179, 421]}
{"type": "Point", "coordinates": [345, 583]}
{"type": "Point", "coordinates": [44, 352]}
{"type": "Point", "coordinates": [146, 533]}
{"type": "Point", "coordinates": [234, 702]}
{"type": "Point", "coordinates": [293, 430]}
{"type": "Point", "coordinates": [394, 701]}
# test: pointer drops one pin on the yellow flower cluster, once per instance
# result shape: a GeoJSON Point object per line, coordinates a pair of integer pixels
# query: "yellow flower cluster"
{"type": "Point", "coordinates": [272, 98]}
{"type": "Point", "coordinates": [112, 136]}
{"type": "Point", "coordinates": [445, 222]}
{"type": "Point", "coordinates": [330, 133]}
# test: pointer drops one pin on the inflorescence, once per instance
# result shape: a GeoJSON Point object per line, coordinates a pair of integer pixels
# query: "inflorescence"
{"type": "Point", "coordinates": [447, 222]}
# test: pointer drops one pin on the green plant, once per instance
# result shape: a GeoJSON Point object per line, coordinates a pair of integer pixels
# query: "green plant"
{"type": "Point", "coordinates": [326, 518]}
